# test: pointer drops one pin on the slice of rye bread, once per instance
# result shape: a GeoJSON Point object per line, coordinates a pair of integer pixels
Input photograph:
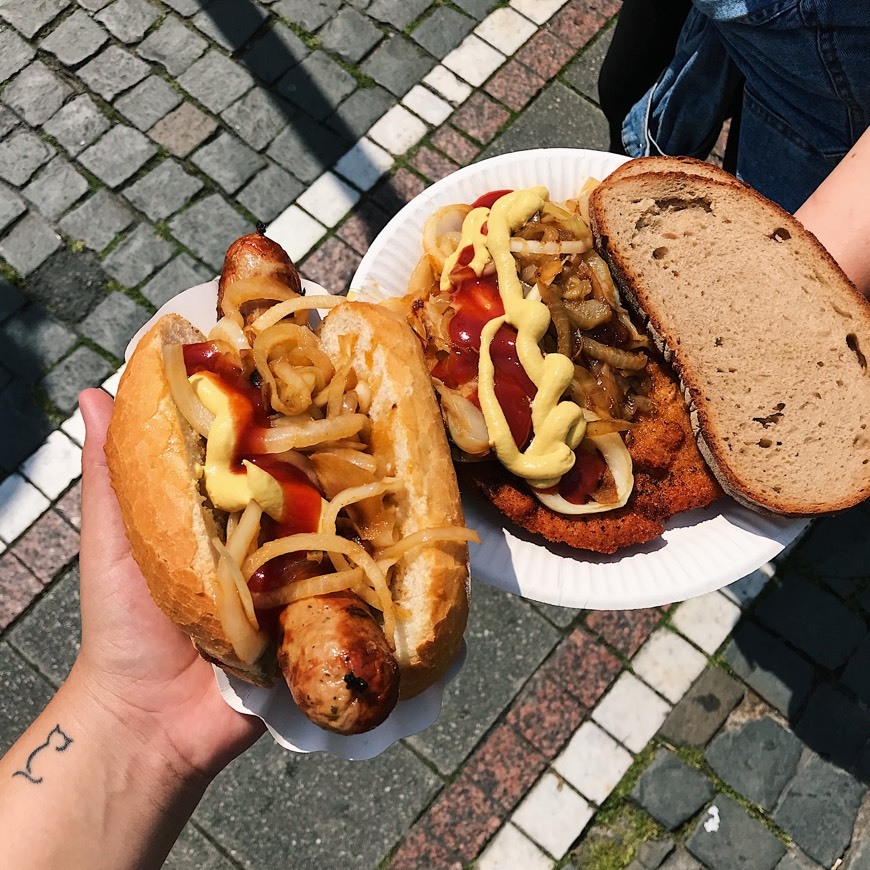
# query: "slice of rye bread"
{"type": "Point", "coordinates": [764, 330]}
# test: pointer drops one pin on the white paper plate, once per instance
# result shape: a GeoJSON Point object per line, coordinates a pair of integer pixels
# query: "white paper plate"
{"type": "Point", "coordinates": [275, 706]}
{"type": "Point", "coordinates": [700, 550]}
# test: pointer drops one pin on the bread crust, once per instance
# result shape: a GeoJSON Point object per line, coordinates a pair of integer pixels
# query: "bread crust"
{"type": "Point", "coordinates": [407, 433]}
{"type": "Point", "coordinates": [612, 230]}
{"type": "Point", "coordinates": [151, 452]}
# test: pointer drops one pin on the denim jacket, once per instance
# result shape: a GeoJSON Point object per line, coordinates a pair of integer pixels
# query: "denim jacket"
{"type": "Point", "coordinates": [804, 67]}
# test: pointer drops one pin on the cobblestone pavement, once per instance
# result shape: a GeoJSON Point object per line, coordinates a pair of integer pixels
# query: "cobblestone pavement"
{"type": "Point", "coordinates": [137, 139]}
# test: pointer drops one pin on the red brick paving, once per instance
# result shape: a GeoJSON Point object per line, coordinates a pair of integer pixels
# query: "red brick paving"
{"type": "Point", "coordinates": [394, 192]}
{"type": "Point", "coordinates": [361, 228]}
{"type": "Point", "coordinates": [480, 117]}
{"type": "Point", "coordinates": [545, 54]}
{"type": "Point", "coordinates": [504, 767]}
{"type": "Point", "coordinates": [583, 667]}
{"type": "Point", "coordinates": [624, 630]}
{"type": "Point", "coordinates": [70, 505]}
{"type": "Point", "coordinates": [18, 587]}
{"type": "Point", "coordinates": [421, 851]}
{"type": "Point", "coordinates": [515, 85]}
{"type": "Point", "coordinates": [545, 714]}
{"type": "Point", "coordinates": [433, 165]}
{"type": "Point", "coordinates": [47, 546]}
{"type": "Point", "coordinates": [332, 265]}
{"type": "Point", "coordinates": [454, 145]}
{"type": "Point", "coordinates": [577, 22]}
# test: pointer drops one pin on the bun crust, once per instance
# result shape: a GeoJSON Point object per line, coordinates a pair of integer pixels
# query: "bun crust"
{"type": "Point", "coordinates": [408, 434]}
{"type": "Point", "coordinates": [151, 453]}
{"type": "Point", "coordinates": [765, 331]}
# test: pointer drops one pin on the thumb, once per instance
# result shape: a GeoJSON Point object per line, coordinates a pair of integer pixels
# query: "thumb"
{"type": "Point", "coordinates": [103, 535]}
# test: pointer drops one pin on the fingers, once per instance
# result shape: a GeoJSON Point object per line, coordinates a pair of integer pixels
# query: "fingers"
{"type": "Point", "coordinates": [103, 535]}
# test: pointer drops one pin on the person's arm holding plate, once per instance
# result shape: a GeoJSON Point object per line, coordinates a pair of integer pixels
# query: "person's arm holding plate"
{"type": "Point", "coordinates": [838, 215]}
{"type": "Point", "coordinates": [111, 770]}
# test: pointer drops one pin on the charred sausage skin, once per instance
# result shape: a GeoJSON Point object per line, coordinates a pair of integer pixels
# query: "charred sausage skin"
{"type": "Point", "coordinates": [337, 663]}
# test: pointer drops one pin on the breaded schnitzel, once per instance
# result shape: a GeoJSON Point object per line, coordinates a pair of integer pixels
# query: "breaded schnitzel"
{"type": "Point", "coordinates": [669, 477]}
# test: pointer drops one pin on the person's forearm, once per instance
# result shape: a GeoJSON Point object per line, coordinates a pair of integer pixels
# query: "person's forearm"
{"type": "Point", "coordinates": [82, 789]}
{"type": "Point", "coordinates": [838, 214]}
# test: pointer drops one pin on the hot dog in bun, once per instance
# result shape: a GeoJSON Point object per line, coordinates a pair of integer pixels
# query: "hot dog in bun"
{"type": "Point", "coordinates": [289, 494]}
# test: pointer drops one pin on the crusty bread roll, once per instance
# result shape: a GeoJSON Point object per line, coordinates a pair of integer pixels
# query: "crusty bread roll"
{"type": "Point", "coordinates": [407, 432]}
{"type": "Point", "coordinates": [768, 336]}
{"type": "Point", "coordinates": [152, 455]}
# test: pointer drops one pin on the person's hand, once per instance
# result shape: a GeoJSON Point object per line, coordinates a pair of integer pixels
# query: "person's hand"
{"type": "Point", "coordinates": [134, 661]}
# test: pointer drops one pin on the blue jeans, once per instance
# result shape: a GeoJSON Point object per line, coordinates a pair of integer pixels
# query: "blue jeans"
{"type": "Point", "coordinates": [804, 69]}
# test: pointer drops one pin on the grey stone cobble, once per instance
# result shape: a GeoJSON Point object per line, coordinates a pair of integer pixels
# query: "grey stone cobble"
{"type": "Point", "coordinates": [56, 188]}
{"type": "Point", "coordinates": [857, 673]}
{"type": "Point", "coordinates": [76, 39]}
{"type": "Point", "coordinates": [148, 102]}
{"type": "Point", "coordinates": [11, 299]}
{"type": "Point", "coordinates": [779, 675]}
{"type": "Point", "coordinates": [28, 17]}
{"type": "Point", "coordinates": [114, 322]}
{"type": "Point", "coordinates": [737, 841]}
{"type": "Point", "coordinates": [562, 617]}
{"type": "Point", "coordinates": [671, 791]}
{"type": "Point", "coordinates": [208, 228]}
{"type": "Point", "coordinates": [174, 45]}
{"type": "Point", "coordinates": [797, 604]}
{"type": "Point", "coordinates": [137, 257]}
{"type": "Point", "coordinates": [796, 860]}
{"type": "Point", "coordinates": [651, 854]}
{"type": "Point", "coordinates": [582, 74]}
{"type": "Point", "coordinates": [400, 15]}
{"type": "Point", "coordinates": [833, 725]}
{"type": "Point", "coordinates": [69, 283]}
{"type": "Point", "coordinates": [15, 53]}
{"type": "Point", "coordinates": [837, 546]}
{"type": "Point", "coordinates": [180, 273]}
{"type": "Point", "coordinates": [505, 636]}
{"type": "Point", "coordinates": [680, 859]}
{"type": "Point", "coordinates": [33, 340]}
{"type": "Point", "coordinates": [228, 161]}
{"type": "Point", "coordinates": [478, 8]}
{"type": "Point", "coordinates": [97, 220]}
{"type": "Point", "coordinates": [703, 709]}
{"type": "Point", "coordinates": [350, 35]}
{"type": "Point", "coordinates": [183, 129]}
{"type": "Point", "coordinates": [113, 71]}
{"type": "Point", "coordinates": [273, 53]}
{"type": "Point", "coordinates": [356, 115]}
{"type": "Point", "coordinates": [757, 760]}
{"type": "Point", "coordinates": [819, 809]}
{"type": "Point", "coordinates": [11, 207]}
{"type": "Point", "coordinates": [229, 23]}
{"type": "Point", "coordinates": [185, 7]}
{"type": "Point", "coordinates": [443, 30]}
{"type": "Point", "coordinates": [397, 64]}
{"type": "Point", "coordinates": [216, 81]}
{"type": "Point", "coordinates": [556, 118]}
{"type": "Point", "coordinates": [23, 695]}
{"type": "Point", "coordinates": [83, 368]}
{"type": "Point", "coordinates": [24, 427]}
{"type": "Point", "coordinates": [317, 84]}
{"type": "Point", "coordinates": [128, 20]}
{"type": "Point", "coordinates": [8, 121]}
{"type": "Point", "coordinates": [308, 14]}
{"type": "Point", "coordinates": [163, 191]}
{"type": "Point", "coordinates": [307, 151]}
{"type": "Point", "coordinates": [258, 117]}
{"type": "Point", "coordinates": [119, 154]}
{"type": "Point", "coordinates": [94, 5]}
{"type": "Point", "coordinates": [271, 191]}
{"type": "Point", "coordinates": [194, 849]}
{"type": "Point", "coordinates": [28, 244]}
{"type": "Point", "coordinates": [56, 615]}
{"type": "Point", "coordinates": [381, 797]}
{"type": "Point", "coordinates": [77, 124]}
{"type": "Point", "coordinates": [36, 93]}
{"type": "Point", "coordinates": [21, 155]}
